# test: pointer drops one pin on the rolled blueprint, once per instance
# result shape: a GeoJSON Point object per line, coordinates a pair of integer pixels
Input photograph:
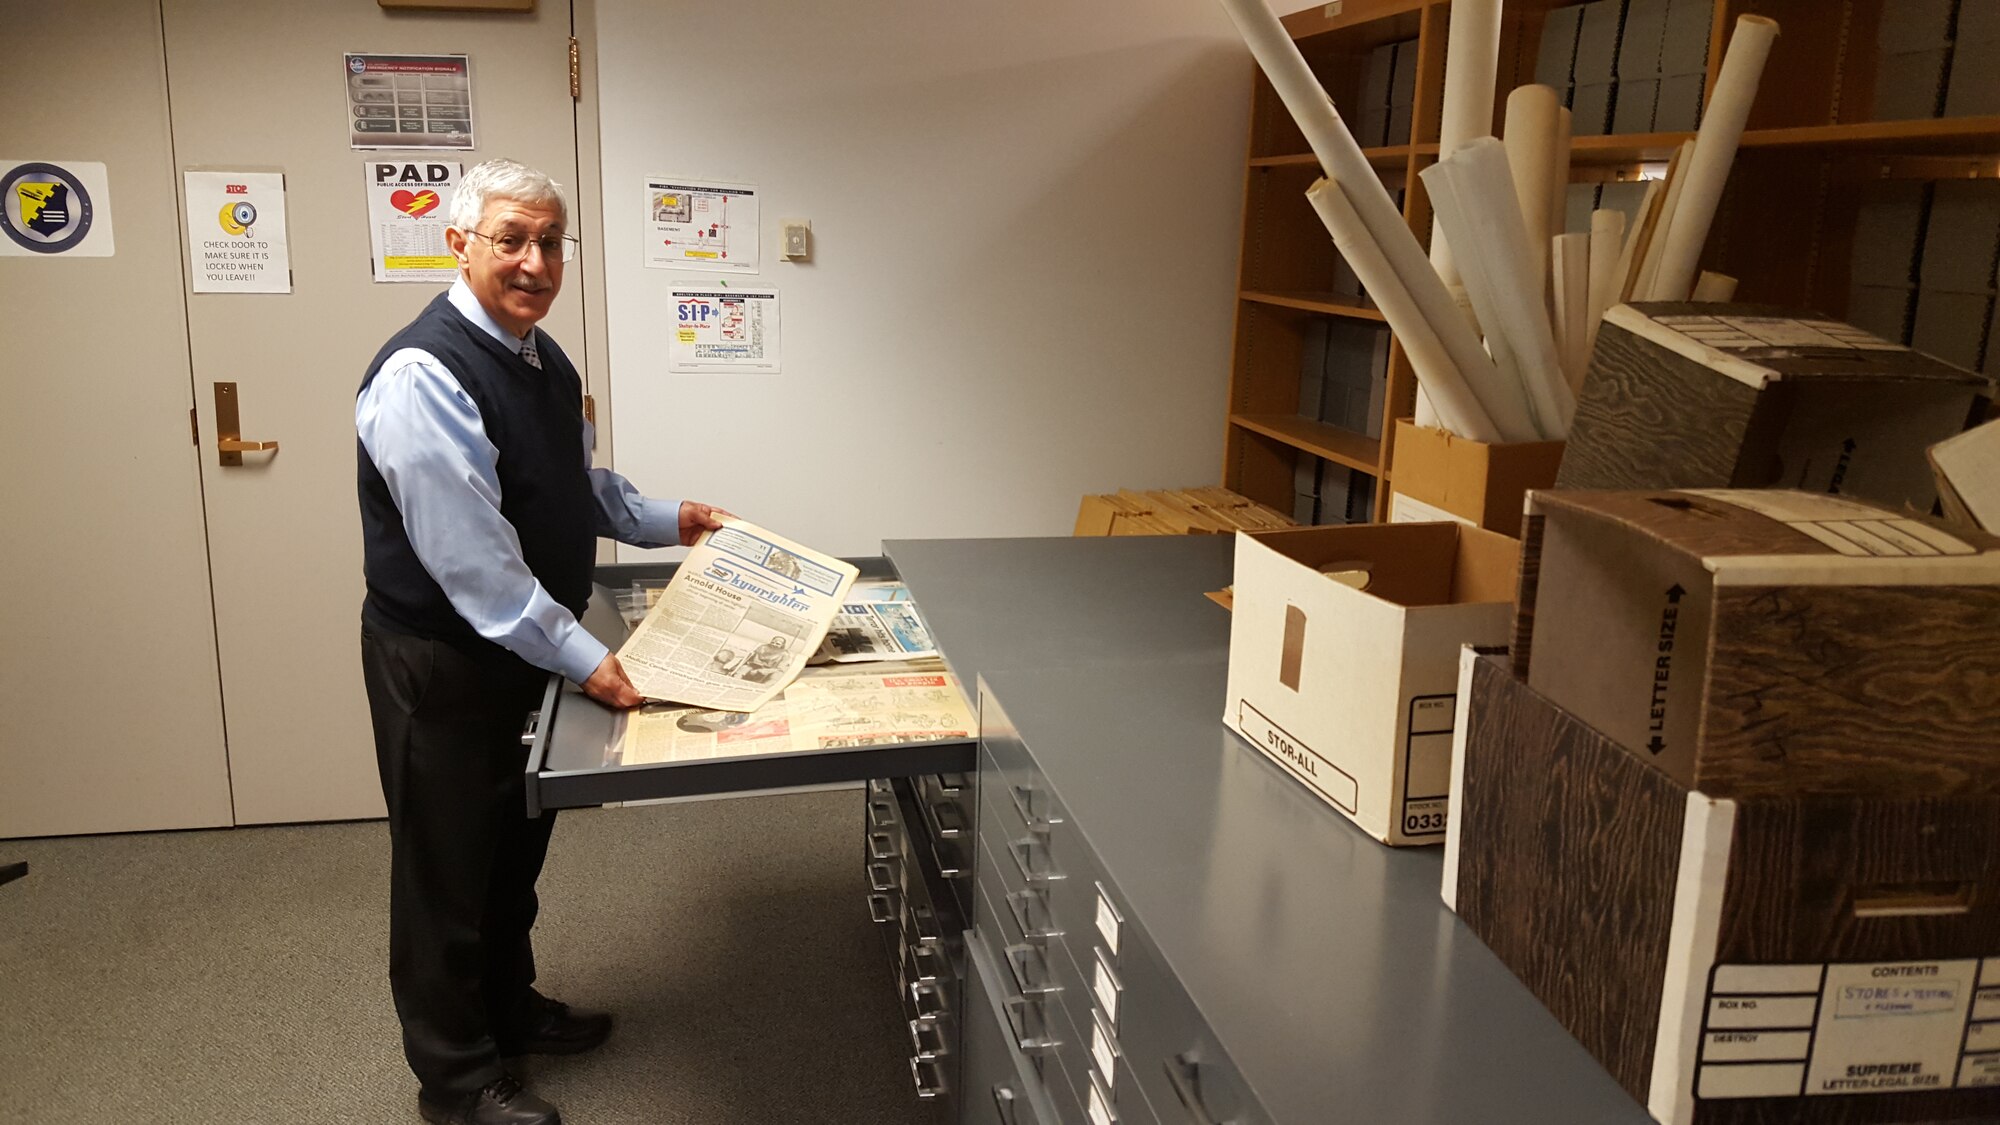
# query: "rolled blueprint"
{"type": "Point", "coordinates": [1636, 233]}
{"type": "Point", "coordinates": [1479, 209]}
{"type": "Point", "coordinates": [1722, 121]}
{"type": "Point", "coordinates": [1533, 118]}
{"type": "Point", "coordinates": [1713, 287]}
{"type": "Point", "coordinates": [1569, 299]}
{"type": "Point", "coordinates": [1343, 162]}
{"type": "Point", "coordinates": [1663, 225]}
{"type": "Point", "coordinates": [1458, 408]}
{"type": "Point", "coordinates": [1469, 79]}
{"type": "Point", "coordinates": [1607, 240]}
{"type": "Point", "coordinates": [1559, 176]}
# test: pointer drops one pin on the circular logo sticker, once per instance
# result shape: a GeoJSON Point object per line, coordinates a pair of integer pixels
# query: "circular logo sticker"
{"type": "Point", "coordinates": [357, 65]}
{"type": "Point", "coordinates": [45, 208]}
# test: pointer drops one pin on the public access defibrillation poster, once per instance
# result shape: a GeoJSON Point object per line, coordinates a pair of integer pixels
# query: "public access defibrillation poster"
{"type": "Point", "coordinates": [724, 331]}
{"type": "Point", "coordinates": [236, 232]}
{"type": "Point", "coordinates": [409, 205]}
{"type": "Point", "coordinates": [409, 101]}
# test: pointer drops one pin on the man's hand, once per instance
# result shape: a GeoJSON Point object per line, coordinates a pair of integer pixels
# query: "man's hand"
{"type": "Point", "coordinates": [698, 517]}
{"type": "Point", "coordinates": [609, 685]}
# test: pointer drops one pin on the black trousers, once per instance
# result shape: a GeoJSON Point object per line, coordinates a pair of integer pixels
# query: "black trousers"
{"type": "Point", "coordinates": [464, 854]}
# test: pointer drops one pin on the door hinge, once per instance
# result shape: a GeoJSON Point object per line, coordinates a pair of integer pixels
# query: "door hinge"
{"type": "Point", "coordinates": [194, 426]}
{"type": "Point", "coordinates": [575, 69]}
{"type": "Point", "coordinates": [590, 409]}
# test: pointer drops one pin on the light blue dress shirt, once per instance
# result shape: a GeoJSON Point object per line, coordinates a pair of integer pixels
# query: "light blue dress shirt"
{"type": "Point", "coordinates": [425, 436]}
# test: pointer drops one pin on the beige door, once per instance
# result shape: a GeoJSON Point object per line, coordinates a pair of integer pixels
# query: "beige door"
{"type": "Point", "coordinates": [261, 86]}
{"type": "Point", "coordinates": [107, 667]}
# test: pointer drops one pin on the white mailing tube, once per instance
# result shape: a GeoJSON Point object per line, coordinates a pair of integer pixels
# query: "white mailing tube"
{"type": "Point", "coordinates": [1636, 233]}
{"type": "Point", "coordinates": [1469, 79]}
{"type": "Point", "coordinates": [1533, 117]}
{"type": "Point", "coordinates": [1569, 296]}
{"type": "Point", "coordinates": [1343, 163]}
{"type": "Point", "coordinates": [1453, 398]}
{"type": "Point", "coordinates": [1506, 400]}
{"type": "Point", "coordinates": [1656, 243]}
{"type": "Point", "coordinates": [1713, 287]}
{"type": "Point", "coordinates": [1491, 222]}
{"type": "Point", "coordinates": [1559, 176]}
{"type": "Point", "coordinates": [1715, 146]}
{"type": "Point", "coordinates": [1607, 236]}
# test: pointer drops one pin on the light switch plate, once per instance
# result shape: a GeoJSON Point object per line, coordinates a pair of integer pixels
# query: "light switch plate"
{"type": "Point", "coordinates": [795, 239]}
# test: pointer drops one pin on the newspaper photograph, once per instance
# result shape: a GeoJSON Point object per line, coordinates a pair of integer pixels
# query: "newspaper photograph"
{"type": "Point", "coordinates": [740, 618]}
{"type": "Point", "coordinates": [825, 708]}
{"type": "Point", "coordinates": [876, 630]}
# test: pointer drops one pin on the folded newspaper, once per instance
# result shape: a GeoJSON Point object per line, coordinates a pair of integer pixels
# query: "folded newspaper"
{"type": "Point", "coordinates": [741, 616]}
{"type": "Point", "coordinates": [878, 621]}
{"type": "Point", "coordinates": [829, 707]}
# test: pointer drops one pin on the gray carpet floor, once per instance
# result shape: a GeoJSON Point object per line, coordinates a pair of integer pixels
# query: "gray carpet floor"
{"type": "Point", "coordinates": [241, 976]}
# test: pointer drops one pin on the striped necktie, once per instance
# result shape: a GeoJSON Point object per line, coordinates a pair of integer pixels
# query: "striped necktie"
{"type": "Point", "coordinates": [532, 357]}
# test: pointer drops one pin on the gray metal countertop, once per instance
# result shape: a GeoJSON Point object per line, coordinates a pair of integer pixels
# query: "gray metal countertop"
{"type": "Point", "coordinates": [1324, 961]}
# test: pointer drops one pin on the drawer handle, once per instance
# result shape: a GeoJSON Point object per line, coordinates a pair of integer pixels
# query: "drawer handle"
{"type": "Point", "coordinates": [928, 998]}
{"type": "Point", "coordinates": [927, 1039]}
{"type": "Point", "coordinates": [1026, 804]}
{"type": "Point", "coordinates": [929, 1077]}
{"type": "Point", "coordinates": [1003, 1106]}
{"type": "Point", "coordinates": [1033, 870]}
{"type": "Point", "coordinates": [945, 855]}
{"type": "Point", "coordinates": [531, 728]}
{"type": "Point", "coordinates": [1031, 913]}
{"type": "Point", "coordinates": [881, 814]}
{"type": "Point", "coordinates": [950, 784]}
{"type": "Point", "coordinates": [1031, 971]}
{"type": "Point", "coordinates": [880, 846]}
{"type": "Point", "coordinates": [880, 910]}
{"type": "Point", "coordinates": [1030, 1025]}
{"type": "Point", "coordinates": [1184, 1075]}
{"type": "Point", "coordinates": [921, 921]}
{"type": "Point", "coordinates": [928, 960]}
{"type": "Point", "coordinates": [947, 819]}
{"type": "Point", "coordinates": [880, 878]}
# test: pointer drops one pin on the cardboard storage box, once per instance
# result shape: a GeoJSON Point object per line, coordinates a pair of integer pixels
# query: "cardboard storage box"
{"type": "Point", "coordinates": [1968, 475]}
{"type": "Point", "coordinates": [1731, 961]}
{"type": "Point", "coordinates": [1436, 475]}
{"type": "Point", "coordinates": [1350, 690]}
{"type": "Point", "coordinates": [1754, 643]}
{"type": "Point", "coordinates": [1683, 395]}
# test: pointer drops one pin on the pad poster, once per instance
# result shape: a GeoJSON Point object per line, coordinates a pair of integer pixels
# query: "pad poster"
{"type": "Point", "coordinates": [409, 205]}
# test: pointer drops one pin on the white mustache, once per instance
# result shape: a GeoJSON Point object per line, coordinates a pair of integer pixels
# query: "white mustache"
{"type": "Point", "coordinates": [531, 286]}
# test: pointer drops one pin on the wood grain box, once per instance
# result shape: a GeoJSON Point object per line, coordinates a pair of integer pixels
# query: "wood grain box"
{"type": "Point", "coordinates": [1775, 643]}
{"type": "Point", "coordinates": [1682, 395]}
{"type": "Point", "coordinates": [1730, 961]}
{"type": "Point", "coordinates": [1438, 475]}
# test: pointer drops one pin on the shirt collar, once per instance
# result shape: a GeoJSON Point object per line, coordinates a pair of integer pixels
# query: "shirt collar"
{"type": "Point", "coordinates": [461, 298]}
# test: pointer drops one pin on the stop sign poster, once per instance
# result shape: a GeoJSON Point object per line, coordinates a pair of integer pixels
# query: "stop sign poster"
{"type": "Point", "coordinates": [236, 232]}
{"type": "Point", "coordinates": [409, 205]}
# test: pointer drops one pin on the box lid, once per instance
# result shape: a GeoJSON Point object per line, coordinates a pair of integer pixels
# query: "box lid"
{"type": "Point", "coordinates": [1777, 537]}
{"type": "Point", "coordinates": [1762, 344]}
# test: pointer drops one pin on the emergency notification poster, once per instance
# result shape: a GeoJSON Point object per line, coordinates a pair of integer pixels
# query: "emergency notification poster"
{"type": "Point", "coordinates": [409, 205]}
{"type": "Point", "coordinates": [724, 331]}
{"type": "Point", "coordinates": [236, 232]}
{"type": "Point", "coordinates": [409, 101]}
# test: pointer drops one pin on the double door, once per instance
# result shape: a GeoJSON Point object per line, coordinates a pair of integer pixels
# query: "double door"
{"type": "Point", "coordinates": [182, 634]}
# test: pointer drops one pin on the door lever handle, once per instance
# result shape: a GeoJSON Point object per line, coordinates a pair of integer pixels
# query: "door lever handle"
{"type": "Point", "coordinates": [229, 444]}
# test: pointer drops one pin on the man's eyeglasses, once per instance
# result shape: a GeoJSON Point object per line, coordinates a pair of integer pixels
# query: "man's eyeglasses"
{"type": "Point", "coordinates": [512, 246]}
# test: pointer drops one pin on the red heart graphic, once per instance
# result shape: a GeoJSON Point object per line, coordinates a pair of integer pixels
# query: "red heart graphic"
{"type": "Point", "coordinates": [414, 204]}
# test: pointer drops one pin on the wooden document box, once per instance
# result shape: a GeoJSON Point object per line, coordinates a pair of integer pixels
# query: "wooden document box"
{"type": "Point", "coordinates": [1733, 811]}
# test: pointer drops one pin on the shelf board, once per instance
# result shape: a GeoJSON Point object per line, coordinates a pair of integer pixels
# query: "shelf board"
{"type": "Point", "coordinates": [1928, 135]}
{"type": "Point", "coordinates": [1342, 447]}
{"type": "Point", "coordinates": [1308, 22]}
{"type": "Point", "coordinates": [1331, 304]}
{"type": "Point", "coordinates": [1387, 157]}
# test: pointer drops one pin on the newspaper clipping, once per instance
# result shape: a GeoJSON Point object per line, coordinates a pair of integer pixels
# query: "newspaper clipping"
{"type": "Point", "coordinates": [742, 615]}
{"type": "Point", "coordinates": [826, 708]}
{"type": "Point", "coordinates": [877, 622]}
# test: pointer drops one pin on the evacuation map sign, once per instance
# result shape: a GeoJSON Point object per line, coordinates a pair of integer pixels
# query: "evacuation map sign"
{"type": "Point", "coordinates": [699, 225]}
{"type": "Point", "coordinates": [724, 331]}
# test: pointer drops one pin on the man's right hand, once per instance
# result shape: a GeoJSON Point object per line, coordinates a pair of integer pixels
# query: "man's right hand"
{"type": "Point", "coordinates": [610, 686]}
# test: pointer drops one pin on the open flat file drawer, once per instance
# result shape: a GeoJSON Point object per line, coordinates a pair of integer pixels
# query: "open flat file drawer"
{"type": "Point", "coordinates": [573, 759]}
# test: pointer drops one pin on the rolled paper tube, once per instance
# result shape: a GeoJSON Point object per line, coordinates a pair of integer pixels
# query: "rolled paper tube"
{"type": "Point", "coordinates": [1426, 414]}
{"type": "Point", "coordinates": [1713, 287]}
{"type": "Point", "coordinates": [1343, 162]}
{"type": "Point", "coordinates": [1533, 117]}
{"type": "Point", "coordinates": [1607, 238]}
{"type": "Point", "coordinates": [1469, 80]}
{"type": "Point", "coordinates": [1506, 399]}
{"type": "Point", "coordinates": [1457, 406]}
{"type": "Point", "coordinates": [1559, 176]}
{"type": "Point", "coordinates": [1569, 295]}
{"type": "Point", "coordinates": [1715, 144]}
{"type": "Point", "coordinates": [1492, 220]}
{"type": "Point", "coordinates": [1633, 253]}
{"type": "Point", "coordinates": [1656, 243]}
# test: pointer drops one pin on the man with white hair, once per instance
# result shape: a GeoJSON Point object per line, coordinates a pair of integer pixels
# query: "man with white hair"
{"type": "Point", "coordinates": [480, 515]}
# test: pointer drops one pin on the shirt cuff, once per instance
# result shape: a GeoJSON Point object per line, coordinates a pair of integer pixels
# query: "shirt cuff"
{"type": "Point", "coordinates": [660, 521]}
{"type": "Point", "coordinates": [580, 655]}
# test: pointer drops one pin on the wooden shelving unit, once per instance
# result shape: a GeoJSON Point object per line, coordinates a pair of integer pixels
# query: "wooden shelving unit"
{"type": "Point", "coordinates": [1785, 229]}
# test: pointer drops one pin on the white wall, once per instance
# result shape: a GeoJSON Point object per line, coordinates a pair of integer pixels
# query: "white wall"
{"type": "Point", "coordinates": [1025, 218]}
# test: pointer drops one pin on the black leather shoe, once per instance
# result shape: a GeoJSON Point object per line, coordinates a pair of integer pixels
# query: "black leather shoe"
{"type": "Point", "coordinates": [555, 1028]}
{"type": "Point", "coordinates": [503, 1102]}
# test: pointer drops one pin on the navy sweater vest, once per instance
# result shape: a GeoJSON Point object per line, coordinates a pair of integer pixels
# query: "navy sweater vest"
{"type": "Point", "coordinates": [534, 418]}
